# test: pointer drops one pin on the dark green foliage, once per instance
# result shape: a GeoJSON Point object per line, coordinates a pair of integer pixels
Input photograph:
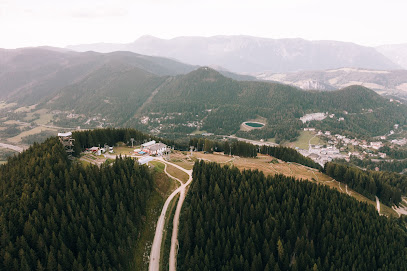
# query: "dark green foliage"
{"type": "Point", "coordinates": [234, 220]}
{"type": "Point", "coordinates": [57, 215]}
{"type": "Point", "coordinates": [396, 153]}
{"type": "Point", "coordinates": [387, 186]}
{"type": "Point", "coordinates": [289, 155]}
{"type": "Point", "coordinates": [244, 149]}
{"type": "Point", "coordinates": [238, 148]}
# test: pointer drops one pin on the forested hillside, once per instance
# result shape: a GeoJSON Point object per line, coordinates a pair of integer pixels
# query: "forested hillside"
{"type": "Point", "coordinates": [58, 215]}
{"type": "Point", "coordinates": [236, 220]}
{"type": "Point", "coordinates": [114, 91]}
{"type": "Point", "coordinates": [387, 186]}
{"type": "Point", "coordinates": [219, 105]}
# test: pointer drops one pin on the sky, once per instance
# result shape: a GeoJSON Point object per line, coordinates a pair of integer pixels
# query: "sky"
{"type": "Point", "coordinates": [60, 23]}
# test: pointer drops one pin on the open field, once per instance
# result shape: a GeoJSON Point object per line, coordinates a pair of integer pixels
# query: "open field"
{"type": "Point", "coordinates": [36, 130]}
{"type": "Point", "coordinates": [304, 139]}
{"type": "Point", "coordinates": [40, 117]}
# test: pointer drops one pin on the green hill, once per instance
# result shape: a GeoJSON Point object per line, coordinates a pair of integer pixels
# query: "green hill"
{"type": "Point", "coordinates": [234, 220]}
{"type": "Point", "coordinates": [114, 91]}
{"type": "Point", "coordinates": [220, 105]}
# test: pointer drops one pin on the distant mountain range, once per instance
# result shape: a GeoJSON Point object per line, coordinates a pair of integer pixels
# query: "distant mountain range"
{"type": "Point", "coordinates": [28, 75]}
{"type": "Point", "coordinates": [170, 98]}
{"type": "Point", "coordinates": [384, 82]}
{"type": "Point", "coordinates": [246, 54]}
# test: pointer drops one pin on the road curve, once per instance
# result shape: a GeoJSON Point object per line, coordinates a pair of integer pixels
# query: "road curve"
{"type": "Point", "coordinates": [156, 246]}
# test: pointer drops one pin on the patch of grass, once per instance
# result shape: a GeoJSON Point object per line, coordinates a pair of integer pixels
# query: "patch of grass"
{"type": "Point", "coordinates": [184, 164]}
{"type": "Point", "coordinates": [166, 246]}
{"type": "Point", "coordinates": [304, 140]}
{"type": "Point", "coordinates": [158, 166]}
{"type": "Point", "coordinates": [173, 171]}
{"type": "Point", "coordinates": [25, 108]}
{"type": "Point", "coordinates": [198, 132]}
{"type": "Point", "coordinates": [123, 150]}
{"type": "Point", "coordinates": [387, 211]}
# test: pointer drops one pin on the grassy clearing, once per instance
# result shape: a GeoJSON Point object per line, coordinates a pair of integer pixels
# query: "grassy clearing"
{"type": "Point", "coordinates": [36, 130]}
{"type": "Point", "coordinates": [14, 122]}
{"type": "Point", "coordinates": [387, 211]}
{"type": "Point", "coordinates": [25, 108]}
{"type": "Point", "coordinates": [166, 246]}
{"type": "Point", "coordinates": [185, 164]}
{"type": "Point", "coordinates": [123, 150]}
{"type": "Point", "coordinates": [198, 132]}
{"type": "Point", "coordinates": [305, 138]}
{"type": "Point", "coordinates": [164, 187]}
{"type": "Point", "coordinates": [40, 117]}
{"type": "Point", "coordinates": [173, 171]}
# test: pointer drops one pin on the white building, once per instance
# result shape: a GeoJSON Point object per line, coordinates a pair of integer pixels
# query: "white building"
{"type": "Point", "coordinates": [155, 149]}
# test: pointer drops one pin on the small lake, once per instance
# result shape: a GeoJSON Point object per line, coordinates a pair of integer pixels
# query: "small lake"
{"type": "Point", "coordinates": [254, 124]}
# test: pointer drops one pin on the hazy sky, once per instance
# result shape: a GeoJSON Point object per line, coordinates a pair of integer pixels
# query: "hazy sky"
{"type": "Point", "coordinates": [60, 23]}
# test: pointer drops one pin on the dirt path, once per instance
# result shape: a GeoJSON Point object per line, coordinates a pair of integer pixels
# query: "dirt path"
{"type": "Point", "coordinates": [11, 147]}
{"type": "Point", "coordinates": [156, 246]}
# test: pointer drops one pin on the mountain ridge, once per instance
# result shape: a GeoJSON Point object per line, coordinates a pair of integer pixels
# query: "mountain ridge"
{"type": "Point", "coordinates": [247, 54]}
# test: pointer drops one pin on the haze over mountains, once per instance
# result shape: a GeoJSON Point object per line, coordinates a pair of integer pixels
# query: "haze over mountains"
{"type": "Point", "coordinates": [246, 54]}
{"type": "Point", "coordinates": [384, 82]}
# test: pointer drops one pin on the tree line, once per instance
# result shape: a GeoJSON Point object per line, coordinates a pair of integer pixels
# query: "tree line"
{"type": "Point", "coordinates": [234, 220]}
{"type": "Point", "coordinates": [391, 165]}
{"type": "Point", "coordinates": [289, 155]}
{"type": "Point", "coordinates": [387, 186]}
{"type": "Point", "coordinates": [110, 136]}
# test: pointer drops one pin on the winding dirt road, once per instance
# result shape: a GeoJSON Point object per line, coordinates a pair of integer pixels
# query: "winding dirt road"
{"type": "Point", "coordinates": [156, 246]}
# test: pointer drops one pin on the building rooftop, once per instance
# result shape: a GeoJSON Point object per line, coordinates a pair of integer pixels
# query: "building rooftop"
{"type": "Point", "coordinates": [156, 147]}
{"type": "Point", "coordinates": [65, 134]}
{"type": "Point", "coordinates": [148, 143]}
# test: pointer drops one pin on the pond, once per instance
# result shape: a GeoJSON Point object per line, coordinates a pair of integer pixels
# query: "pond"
{"type": "Point", "coordinates": [254, 124]}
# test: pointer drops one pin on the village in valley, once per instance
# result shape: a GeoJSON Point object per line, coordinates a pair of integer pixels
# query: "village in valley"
{"type": "Point", "coordinates": [338, 146]}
